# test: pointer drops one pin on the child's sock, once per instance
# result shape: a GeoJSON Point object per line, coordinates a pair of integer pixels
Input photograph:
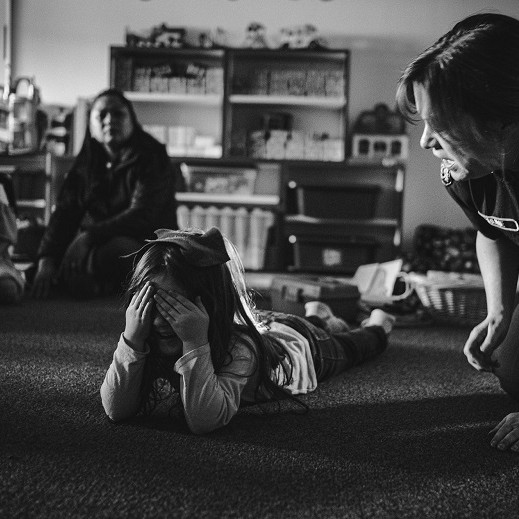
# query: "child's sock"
{"type": "Point", "coordinates": [333, 323]}
{"type": "Point", "coordinates": [380, 318]}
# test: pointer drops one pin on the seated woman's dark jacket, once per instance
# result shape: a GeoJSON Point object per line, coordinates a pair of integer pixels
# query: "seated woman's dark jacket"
{"type": "Point", "coordinates": [131, 197]}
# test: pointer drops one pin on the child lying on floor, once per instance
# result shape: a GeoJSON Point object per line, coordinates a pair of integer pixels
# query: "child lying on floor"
{"type": "Point", "coordinates": [191, 329]}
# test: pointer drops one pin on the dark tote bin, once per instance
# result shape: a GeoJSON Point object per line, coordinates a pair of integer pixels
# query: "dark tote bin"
{"type": "Point", "coordinates": [337, 201]}
{"type": "Point", "coordinates": [332, 254]}
{"type": "Point", "coordinates": [290, 293]}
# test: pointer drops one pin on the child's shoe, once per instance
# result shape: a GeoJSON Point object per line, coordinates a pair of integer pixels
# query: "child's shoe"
{"type": "Point", "coordinates": [333, 323]}
{"type": "Point", "coordinates": [380, 318]}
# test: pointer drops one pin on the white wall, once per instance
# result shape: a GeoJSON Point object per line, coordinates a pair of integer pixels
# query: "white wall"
{"type": "Point", "coordinates": [64, 45]}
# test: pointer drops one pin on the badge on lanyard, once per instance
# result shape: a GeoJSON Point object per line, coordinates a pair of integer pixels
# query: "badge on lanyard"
{"type": "Point", "coordinates": [505, 224]}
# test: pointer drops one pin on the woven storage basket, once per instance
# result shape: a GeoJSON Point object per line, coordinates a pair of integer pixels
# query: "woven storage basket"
{"type": "Point", "coordinates": [452, 298]}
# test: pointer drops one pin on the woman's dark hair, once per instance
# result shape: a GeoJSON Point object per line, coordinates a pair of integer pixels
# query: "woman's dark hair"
{"type": "Point", "coordinates": [472, 70]}
{"type": "Point", "coordinates": [224, 296]}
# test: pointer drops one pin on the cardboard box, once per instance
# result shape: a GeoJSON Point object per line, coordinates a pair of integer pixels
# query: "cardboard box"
{"type": "Point", "coordinates": [290, 293]}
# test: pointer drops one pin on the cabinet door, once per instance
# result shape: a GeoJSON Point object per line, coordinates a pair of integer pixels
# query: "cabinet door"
{"type": "Point", "coordinates": [177, 95]}
{"type": "Point", "coordinates": [286, 105]}
{"type": "Point", "coordinates": [31, 184]}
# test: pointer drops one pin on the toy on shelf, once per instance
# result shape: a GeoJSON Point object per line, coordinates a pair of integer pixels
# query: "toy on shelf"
{"type": "Point", "coordinates": [213, 39]}
{"type": "Point", "coordinates": [380, 133]}
{"type": "Point", "coordinates": [301, 37]}
{"type": "Point", "coordinates": [255, 36]}
{"type": "Point", "coordinates": [158, 36]}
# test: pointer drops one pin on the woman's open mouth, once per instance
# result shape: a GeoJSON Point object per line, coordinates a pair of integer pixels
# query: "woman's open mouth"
{"type": "Point", "coordinates": [451, 166]}
{"type": "Point", "coordinates": [448, 163]}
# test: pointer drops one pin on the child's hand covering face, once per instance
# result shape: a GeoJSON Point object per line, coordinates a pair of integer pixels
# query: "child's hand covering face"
{"type": "Point", "coordinates": [138, 317]}
{"type": "Point", "coordinates": [188, 319]}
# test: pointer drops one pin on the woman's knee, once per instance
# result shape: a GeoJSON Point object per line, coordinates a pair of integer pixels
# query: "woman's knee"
{"type": "Point", "coordinates": [507, 358]}
{"type": "Point", "coordinates": [110, 263]}
{"type": "Point", "coordinates": [118, 246]}
{"type": "Point", "coordinates": [511, 387]}
{"type": "Point", "coordinates": [507, 372]}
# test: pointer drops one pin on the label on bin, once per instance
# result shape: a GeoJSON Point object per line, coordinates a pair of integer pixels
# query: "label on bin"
{"type": "Point", "coordinates": [332, 257]}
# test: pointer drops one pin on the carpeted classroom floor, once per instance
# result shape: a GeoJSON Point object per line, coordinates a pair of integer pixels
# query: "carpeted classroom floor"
{"type": "Point", "coordinates": [405, 436]}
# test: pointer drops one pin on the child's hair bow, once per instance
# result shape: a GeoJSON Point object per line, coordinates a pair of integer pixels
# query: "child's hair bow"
{"type": "Point", "coordinates": [201, 249]}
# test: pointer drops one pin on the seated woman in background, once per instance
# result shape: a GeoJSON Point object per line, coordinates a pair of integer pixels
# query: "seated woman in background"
{"type": "Point", "coordinates": [120, 188]}
{"type": "Point", "coordinates": [191, 331]}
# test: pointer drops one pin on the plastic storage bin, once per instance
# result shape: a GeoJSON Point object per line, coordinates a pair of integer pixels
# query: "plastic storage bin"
{"type": "Point", "coordinates": [337, 201]}
{"type": "Point", "coordinates": [332, 254]}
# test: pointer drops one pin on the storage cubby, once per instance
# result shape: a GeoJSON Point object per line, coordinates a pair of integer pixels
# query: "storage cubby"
{"type": "Point", "coordinates": [31, 184]}
{"type": "Point", "coordinates": [178, 95]}
{"type": "Point", "coordinates": [260, 104]}
{"type": "Point", "coordinates": [340, 216]}
{"type": "Point", "coordinates": [241, 198]}
{"type": "Point", "coordinates": [286, 104]}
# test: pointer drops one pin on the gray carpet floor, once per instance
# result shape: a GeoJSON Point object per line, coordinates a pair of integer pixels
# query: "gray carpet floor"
{"type": "Point", "coordinates": [404, 436]}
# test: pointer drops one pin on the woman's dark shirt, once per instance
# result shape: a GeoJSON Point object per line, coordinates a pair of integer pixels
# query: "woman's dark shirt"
{"type": "Point", "coordinates": [491, 203]}
{"type": "Point", "coordinates": [131, 197]}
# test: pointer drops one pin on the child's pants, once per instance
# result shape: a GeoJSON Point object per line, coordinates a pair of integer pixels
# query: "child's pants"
{"type": "Point", "coordinates": [333, 354]}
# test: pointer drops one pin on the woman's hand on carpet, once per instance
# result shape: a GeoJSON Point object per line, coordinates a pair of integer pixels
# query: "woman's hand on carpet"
{"type": "Point", "coordinates": [44, 279]}
{"type": "Point", "coordinates": [506, 433]}
{"type": "Point", "coordinates": [75, 258]}
{"type": "Point", "coordinates": [138, 317]}
{"type": "Point", "coordinates": [483, 340]}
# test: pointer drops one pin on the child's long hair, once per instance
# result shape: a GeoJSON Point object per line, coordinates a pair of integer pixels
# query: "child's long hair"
{"type": "Point", "coordinates": [224, 295]}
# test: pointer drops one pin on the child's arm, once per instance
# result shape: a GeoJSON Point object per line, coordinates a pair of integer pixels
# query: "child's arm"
{"type": "Point", "coordinates": [210, 400]}
{"type": "Point", "coordinates": [120, 391]}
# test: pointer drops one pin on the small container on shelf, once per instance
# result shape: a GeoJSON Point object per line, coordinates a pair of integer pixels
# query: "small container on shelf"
{"type": "Point", "coordinates": [219, 179]}
{"type": "Point", "coordinates": [380, 134]}
{"type": "Point", "coordinates": [373, 147]}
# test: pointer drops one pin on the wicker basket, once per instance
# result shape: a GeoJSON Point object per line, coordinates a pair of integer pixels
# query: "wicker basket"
{"type": "Point", "coordinates": [452, 298]}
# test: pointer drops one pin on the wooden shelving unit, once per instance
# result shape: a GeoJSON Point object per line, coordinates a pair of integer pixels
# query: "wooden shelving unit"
{"type": "Point", "coordinates": [285, 114]}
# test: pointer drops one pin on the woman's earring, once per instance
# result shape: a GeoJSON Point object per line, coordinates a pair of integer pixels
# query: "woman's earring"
{"type": "Point", "coordinates": [445, 175]}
